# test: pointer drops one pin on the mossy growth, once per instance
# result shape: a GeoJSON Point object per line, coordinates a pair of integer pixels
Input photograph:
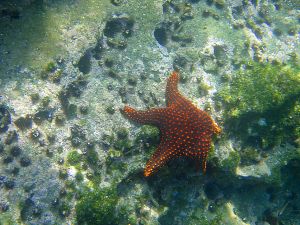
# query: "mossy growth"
{"type": "Point", "coordinates": [56, 76]}
{"type": "Point", "coordinates": [262, 103]}
{"type": "Point", "coordinates": [50, 67]}
{"type": "Point", "coordinates": [74, 158]}
{"type": "Point", "coordinates": [97, 206]}
{"type": "Point", "coordinates": [249, 156]}
{"type": "Point", "coordinates": [148, 135]}
{"type": "Point", "coordinates": [123, 144]}
{"type": "Point", "coordinates": [79, 177]}
{"type": "Point", "coordinates": [231, 162]}
{"type": "Point", "coordinates": [92, 158]}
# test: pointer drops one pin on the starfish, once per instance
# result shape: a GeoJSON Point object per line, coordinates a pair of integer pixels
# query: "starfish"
{"type": "Point", "coordinates": [185, 130]}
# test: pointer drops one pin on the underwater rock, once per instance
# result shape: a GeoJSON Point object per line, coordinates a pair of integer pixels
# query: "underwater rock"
{"type": "Point", "coordinates": [269, 169]}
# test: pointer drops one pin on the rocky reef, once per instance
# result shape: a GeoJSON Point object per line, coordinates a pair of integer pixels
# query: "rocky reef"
{"type": "Point", "coordinates": [67, 154]}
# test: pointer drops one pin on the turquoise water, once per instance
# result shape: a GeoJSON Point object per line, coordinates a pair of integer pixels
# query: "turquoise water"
{"type": "Point", "coordinates": [69, 156]}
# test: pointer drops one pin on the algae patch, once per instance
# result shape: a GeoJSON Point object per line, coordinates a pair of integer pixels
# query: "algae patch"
{"type": "Point", "coordinates": [262, 103]}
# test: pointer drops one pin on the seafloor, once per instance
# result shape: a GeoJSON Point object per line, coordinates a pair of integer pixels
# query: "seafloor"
{"type": "Point", "coordinates": [67, 154]}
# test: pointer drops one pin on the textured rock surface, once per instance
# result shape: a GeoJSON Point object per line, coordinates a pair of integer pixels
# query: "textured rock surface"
{"type": "Point", "coordinates": [67, 67]}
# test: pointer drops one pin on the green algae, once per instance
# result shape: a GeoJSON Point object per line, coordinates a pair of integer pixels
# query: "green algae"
{"type": "Point", "coordinates": [231, 162]}
{"type": "Point", "coordinates": [261, 103]}
{"type": "Point", "coordinates": [97, 206]}
{"type": "Point", "coordinates": [260, 87]}
{"type": "Point", "coordinates": [74, 158]}
{"type": "Point", "coordinates": [148, 134]}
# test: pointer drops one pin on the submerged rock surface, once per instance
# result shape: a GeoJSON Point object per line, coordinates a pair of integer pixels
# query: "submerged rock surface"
{"type": "Point", "coordinates": [68, 156]}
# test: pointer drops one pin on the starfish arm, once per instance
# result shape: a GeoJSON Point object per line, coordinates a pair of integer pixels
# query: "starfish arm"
{"type": "Point", "coordinates": [158, 159]}
{"type": "Point", "coordinates": [173, 96]}
{"type": "Point", "coordinates": [172, 93]}
{"type": "Point", "coordinates": [151, 116]}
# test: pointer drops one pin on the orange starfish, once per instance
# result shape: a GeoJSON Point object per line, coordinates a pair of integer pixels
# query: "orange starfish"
{"type": "Point", "coordinates": [185, 129]}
